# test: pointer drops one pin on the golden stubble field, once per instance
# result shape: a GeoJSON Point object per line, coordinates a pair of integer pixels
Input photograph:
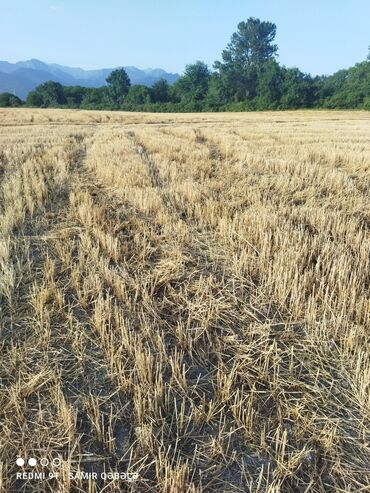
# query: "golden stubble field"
{"type": "Point", "coordinates": [185, 297]}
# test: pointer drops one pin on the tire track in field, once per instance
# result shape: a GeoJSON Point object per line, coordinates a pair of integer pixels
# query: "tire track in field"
{"type": "Point", "coordinates": [200, 240]}
{"type": "Point", "coordinates": [155, 177]}
{"type": "Point", "coordinates": [23, 332]}
{"type": "Point", "coordinates": [94, 380]}
{"type": "Point", "coordinates": [101, 382]}
{"type": "Point", "coordinates": [215, 154]}
{"type": "Point", "coordinates": [26, 333]}
{"type": "Point", "coordinates": [162, 185]}
{"type": "Point", "coordinates": [102, 197]}
{"type": "Point", "coordinates": [200, 266]}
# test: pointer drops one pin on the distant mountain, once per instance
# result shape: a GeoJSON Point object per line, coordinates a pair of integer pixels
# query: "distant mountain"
{"type": "Point", "coordinates": [21, 77]}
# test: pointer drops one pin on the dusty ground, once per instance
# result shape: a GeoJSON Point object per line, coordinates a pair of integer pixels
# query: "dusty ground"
{"type": "Point", "coordinates": [185, 297]}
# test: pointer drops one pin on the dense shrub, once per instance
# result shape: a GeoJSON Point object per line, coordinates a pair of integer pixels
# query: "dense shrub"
{"type": "Point", "coordinates": [9, 100]}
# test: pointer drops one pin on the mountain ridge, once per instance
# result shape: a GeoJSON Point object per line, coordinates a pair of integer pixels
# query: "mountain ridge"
{"type": "Point", "coordinates": [22, 77]}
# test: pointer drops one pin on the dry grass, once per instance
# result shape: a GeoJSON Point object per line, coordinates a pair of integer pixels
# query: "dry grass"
{"type": "Point", "coordinates": [186, 297]}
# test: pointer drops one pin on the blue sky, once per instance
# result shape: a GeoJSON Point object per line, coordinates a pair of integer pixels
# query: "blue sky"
{"type": "Point", "coordinates": [318, 36]}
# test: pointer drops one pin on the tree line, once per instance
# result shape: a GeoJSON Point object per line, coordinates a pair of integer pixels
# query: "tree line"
{"type": "Point", "coordinates": [248, 77]}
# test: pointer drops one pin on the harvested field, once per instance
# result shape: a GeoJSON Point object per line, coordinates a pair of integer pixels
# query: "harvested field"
{"type": "Point", "coordinates": [185, 297]}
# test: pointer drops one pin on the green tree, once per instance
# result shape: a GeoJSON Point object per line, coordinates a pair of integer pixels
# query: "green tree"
{"type": "Point", "coordinates": [299, 89]}
{"type": "Point", "coordinates": [270, 85]}
{"type": "Point", "coordinates": [138, 95]}
{"type": "Point", "coordinates": [49, 93]}
{"type": "Point", "coordinates": [333, 83]}
{"type": "Point", "coordinates": [348, 88]}
{"type": "Point", "coordinates": [192, 87]}
{"type": "Point", "coordinates": [74, 95]}
{"type": "Point", "coordinates": [96, 97]}
{"type": "Point", "coordinates": [119, 84]}
{"type": "Point", "coordinates": [34, 99]}
{"type": "Point", "coordinates": [161, 92]}
{"type": "Point", "coordinates": [251, 46]}
{"type": "Point", "coordinates": [217, 95]}
{"type": "Point", "coordinates": [8, 100]}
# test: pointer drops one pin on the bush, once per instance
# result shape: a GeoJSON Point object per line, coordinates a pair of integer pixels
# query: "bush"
{"type": "Point", "coordinates": [8, 100]}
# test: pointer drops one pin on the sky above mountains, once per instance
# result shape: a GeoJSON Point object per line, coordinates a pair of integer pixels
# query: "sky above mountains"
{"type": "Point", "coordinates": [318, 37]}
{"type": "Point", "coordinates": [21, 77]}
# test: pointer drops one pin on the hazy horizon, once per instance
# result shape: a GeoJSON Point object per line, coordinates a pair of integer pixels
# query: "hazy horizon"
{"type": "Point", "coordinates": [318, 38]}
{"type": "Point", "coordinates": [53, 62]}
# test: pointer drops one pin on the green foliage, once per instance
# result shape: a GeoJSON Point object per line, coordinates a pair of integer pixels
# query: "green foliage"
{"type": "Point", "coordinates": [48, 94]}
{"type": "Point", "coordinates": [270, 86]}
{"type": "Point", "coordinates": [250, 48]}
{"type": "Point", "coordinates": [74, 95]}
{"type": "Point", "coordinates": [193, 86]}
{"type": "Point", "coordinates": [8, 100]}
{"type": "Point", "coordinates": [34, 99]}
{"type": "Point", "coordinates": [217, 95]}
{"type": "Point", "coordinates": [137, 95]}
{"type": "Point", "coordinates": [119, 85]}
{"type": "Point", "coordinates": [96, 97]}
{"type": "Point", "coordinates": [348, 88]}
{"type": "Point", "coordinates": [298, 89]}
{"type": "Point", "coordinates": [247, 79]}
{"type": "Point", "coordinates": [160, 92]}
{"type": "Point", "coordinates": [251, 44]}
